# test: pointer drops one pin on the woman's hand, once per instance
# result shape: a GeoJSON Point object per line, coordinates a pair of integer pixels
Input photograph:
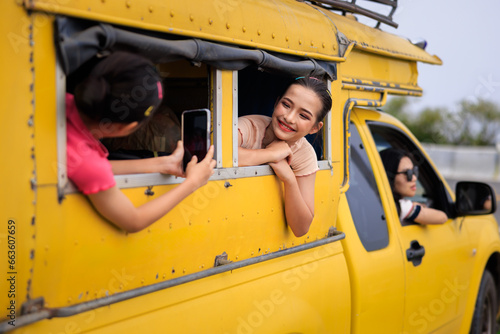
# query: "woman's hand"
{"type": "Point", "coordinates": [198, 173]}
{"type": "Point", "coordinates": [169, 164]}
{"type": "Point", "coordinates": [279, 150]}
{"type": "Point", "coordinates": [282, 170]}
{"type": "Point", "coordinates": [172, 164]}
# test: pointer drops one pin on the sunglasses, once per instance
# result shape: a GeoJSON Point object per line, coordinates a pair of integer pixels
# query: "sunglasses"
{"type": "Point", "coordinates": [410, 172]}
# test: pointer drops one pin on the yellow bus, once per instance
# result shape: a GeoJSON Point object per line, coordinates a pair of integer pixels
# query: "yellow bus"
{"type": "Point", "coordinates": [224, 260]}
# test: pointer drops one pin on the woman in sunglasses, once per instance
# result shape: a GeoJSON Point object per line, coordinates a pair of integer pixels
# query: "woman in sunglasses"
{"type": "Point", "coordinates": [403, 176]}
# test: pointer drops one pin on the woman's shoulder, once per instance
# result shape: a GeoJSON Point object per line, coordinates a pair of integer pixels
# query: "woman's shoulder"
{"type": "Point", "coordinates": [257, 120]}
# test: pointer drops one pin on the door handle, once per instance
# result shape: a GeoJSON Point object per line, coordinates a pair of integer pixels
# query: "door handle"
{"type": "Point", "coordinates": [415, 253]}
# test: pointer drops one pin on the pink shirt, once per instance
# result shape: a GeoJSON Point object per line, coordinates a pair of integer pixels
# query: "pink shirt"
{"type": "Point", "coordinates": [253, 129]}
{"type": "Point", "coordinates": [87, 164]}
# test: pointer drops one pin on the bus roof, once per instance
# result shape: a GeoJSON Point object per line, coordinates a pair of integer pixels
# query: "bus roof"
{"type": "Point", "coordinates": [284, 26]}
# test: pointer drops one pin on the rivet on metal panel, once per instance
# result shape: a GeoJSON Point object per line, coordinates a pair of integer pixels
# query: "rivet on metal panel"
{"type": "Point", "coordinates": [151, 9]}
{"type": "Point", "coordinates": [323, 45]}
{"type": "Point", "coordinates": [300, 42]}
{"type": "Point", "coordinates": [244, 29]}
{"type": "Point", "coordinates": [286, 38]}
{"type": "Point", "coordinates": [172, 14]}
{"type": "Point", "coordinates": [312, 43]}
{"type": "Point", "coordinates": [191, 18]}
{"type": "Point", "coordinates": [228, 26]}
{"type": "Point", "coordinates": [128, 4]}
{"type": "Point", "coordinates": [259, 32]}
{"type": "Point", "coordinates": [273, 35]}
{"type": "Point", "coordinates": [210, 21]}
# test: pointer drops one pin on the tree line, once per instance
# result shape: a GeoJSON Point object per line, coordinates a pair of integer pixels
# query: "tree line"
{"type": "Point", "coordinates": [473, 123]}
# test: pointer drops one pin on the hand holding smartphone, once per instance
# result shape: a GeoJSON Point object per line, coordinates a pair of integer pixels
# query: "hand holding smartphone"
{"type": "Point", "coordinates": [195, 134]}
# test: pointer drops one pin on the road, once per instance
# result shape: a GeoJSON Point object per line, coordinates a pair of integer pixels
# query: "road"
{"type": "Point", "coordinates": [494, 185]}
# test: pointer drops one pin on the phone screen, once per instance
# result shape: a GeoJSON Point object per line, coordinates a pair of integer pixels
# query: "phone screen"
{"type": "Point", "coordinates": [195, 134]}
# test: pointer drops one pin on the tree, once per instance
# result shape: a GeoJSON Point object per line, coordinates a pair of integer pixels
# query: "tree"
{"type": "Point", "coordinates": [427, 125]}
{"type": "Point", "coordinates": [480, 123]}
{"type": "Point", "coordinates": [474, 123]}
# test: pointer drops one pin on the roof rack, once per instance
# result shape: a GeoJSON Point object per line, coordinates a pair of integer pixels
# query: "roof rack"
{"type": "Point", "coordinates": [346, 6]}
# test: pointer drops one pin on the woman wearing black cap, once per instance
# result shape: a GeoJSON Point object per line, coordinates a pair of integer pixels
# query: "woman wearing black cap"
{"type": "Point", "coordinates": [120, 94]}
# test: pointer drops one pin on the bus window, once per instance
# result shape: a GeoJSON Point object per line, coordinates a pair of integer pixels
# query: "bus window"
{"type": "Point", "coordinates": [185, 87]}
{"type": "Point", "coordinates": [257, 94]}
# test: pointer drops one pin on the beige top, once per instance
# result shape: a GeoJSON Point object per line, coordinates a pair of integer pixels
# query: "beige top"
{"type": "Point", "coordinates": [253, 129]}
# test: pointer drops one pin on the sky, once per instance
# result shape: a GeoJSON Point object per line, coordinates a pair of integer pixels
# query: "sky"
{"type": "Point", "coordinates": [465, 36]}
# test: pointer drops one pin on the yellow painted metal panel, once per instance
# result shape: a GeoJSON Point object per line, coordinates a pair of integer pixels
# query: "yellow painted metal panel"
{"type": "Point", "coordinates": [242, 220]}
{"type": "Point", "coordinates": [365, 66]}
{"type": "Point", "coordinates": [272, 297]}
{"type": "Point", "coordinates": [288, 27]}
{"type": "Point", "coordinates": [376, 279]}
{"type": "Point", "coordinates": [17, 167]}
{"type": "Point", "coordinates": [45, 99]}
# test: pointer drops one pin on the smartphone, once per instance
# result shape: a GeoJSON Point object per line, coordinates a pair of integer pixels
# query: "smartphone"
{"type": "Point", "coordinates": [195, 134]}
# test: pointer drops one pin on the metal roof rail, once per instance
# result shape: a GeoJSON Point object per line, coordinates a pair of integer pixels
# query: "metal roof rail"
{"type": "Point", "coordinates": [351, 7]}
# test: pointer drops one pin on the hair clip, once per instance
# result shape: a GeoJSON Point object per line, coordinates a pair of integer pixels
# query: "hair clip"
{"type": "Point", "coordinates": [148, 111]}
{"type": "Point", "coordinates": [312, 78]}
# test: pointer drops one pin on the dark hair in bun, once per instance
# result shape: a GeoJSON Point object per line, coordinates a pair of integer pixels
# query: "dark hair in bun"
{"type": "Point", "coordinates": [122, 88]}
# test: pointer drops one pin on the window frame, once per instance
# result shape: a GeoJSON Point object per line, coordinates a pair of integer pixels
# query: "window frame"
{"type": "Point", "coordinates": [249, 171]}
{"type": "Point", "coordinates": [65, 187]}
{"type": "Point", "coordinates": [429, 178]}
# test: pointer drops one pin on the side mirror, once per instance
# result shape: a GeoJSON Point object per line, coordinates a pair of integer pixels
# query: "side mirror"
{"type": "Point", "coordinates": [475, 198]}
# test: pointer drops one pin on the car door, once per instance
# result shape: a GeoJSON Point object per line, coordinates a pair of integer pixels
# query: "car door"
{"type": "Point", "coordinates": [373, 253]}
{"type": "Point", "coordinates": [438, 260]}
